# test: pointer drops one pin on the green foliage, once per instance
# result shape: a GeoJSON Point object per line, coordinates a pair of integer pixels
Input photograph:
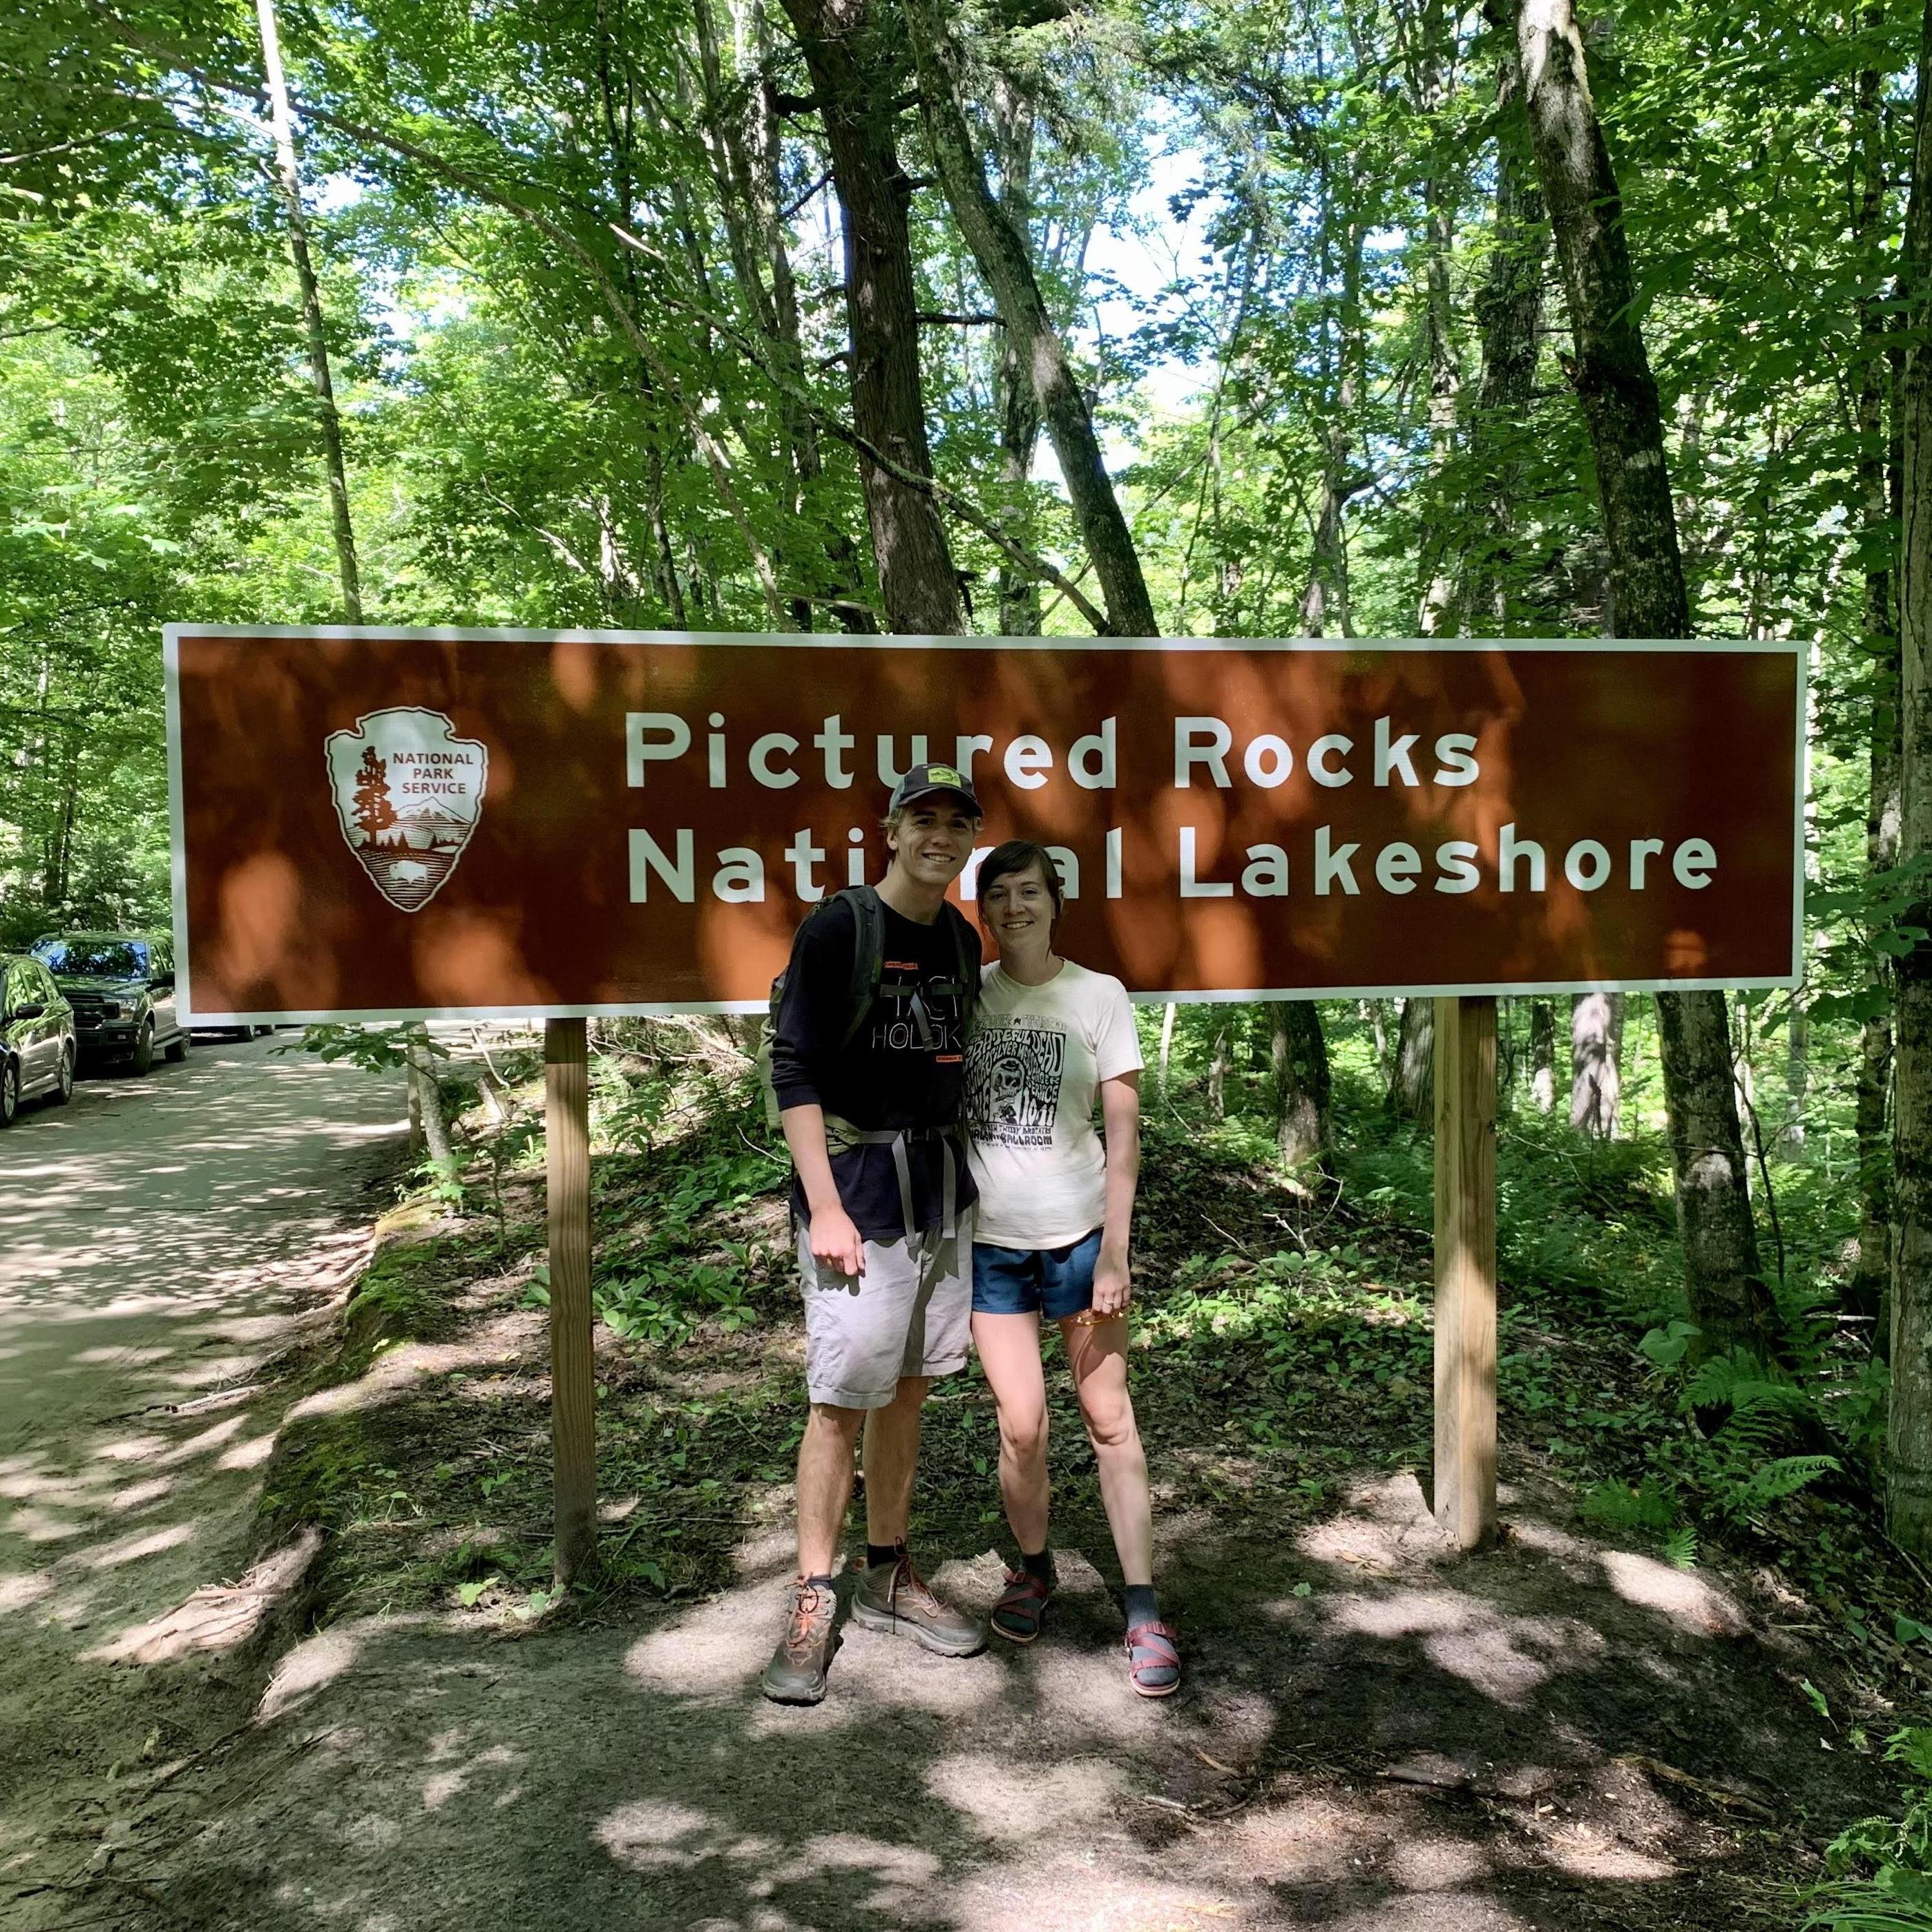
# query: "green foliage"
{"type": "Point", "coordinates": [1882, 1867]}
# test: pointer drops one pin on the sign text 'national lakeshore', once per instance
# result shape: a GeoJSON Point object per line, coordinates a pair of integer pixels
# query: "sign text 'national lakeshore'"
{"type": "Point", "coordinates": [386, 824]}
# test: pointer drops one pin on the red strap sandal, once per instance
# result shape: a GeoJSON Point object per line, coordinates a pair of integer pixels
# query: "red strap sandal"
{"type": "Point", "coordinates": [1021, 1609]}
{"type": "Point", "coordinates": [1152, 1653]}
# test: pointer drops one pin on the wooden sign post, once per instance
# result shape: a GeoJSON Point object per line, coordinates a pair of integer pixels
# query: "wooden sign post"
{"type": "Point", "coordinates": [573, 1365]}
{"type": "Point", "coordinates": [1466, 1269]}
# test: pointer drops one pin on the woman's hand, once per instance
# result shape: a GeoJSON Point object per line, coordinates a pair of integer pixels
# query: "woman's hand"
{"type": "Point", "coordinates": [1113, 1288]}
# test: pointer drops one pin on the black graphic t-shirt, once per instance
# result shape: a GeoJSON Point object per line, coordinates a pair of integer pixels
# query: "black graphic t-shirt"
{"type": "Point", "coordinates": [905, 1068]}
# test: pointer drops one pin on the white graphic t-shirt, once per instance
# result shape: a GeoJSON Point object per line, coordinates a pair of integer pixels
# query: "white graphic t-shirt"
{"type": "Point", "coordinates": [1033, 1069]}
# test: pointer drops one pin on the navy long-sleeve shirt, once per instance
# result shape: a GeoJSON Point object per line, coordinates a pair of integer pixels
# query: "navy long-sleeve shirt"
{"type": "Point", "coordinates": [889, 1076]}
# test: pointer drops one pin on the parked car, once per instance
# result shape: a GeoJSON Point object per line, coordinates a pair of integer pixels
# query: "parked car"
{"type": "Point", "coordinates": [38, 1047]}
{"type": "Point", "coordinates": [121, 987]}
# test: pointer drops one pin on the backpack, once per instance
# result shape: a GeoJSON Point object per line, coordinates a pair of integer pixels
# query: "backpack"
{"type": "Point", "coordinates": [868, 969]}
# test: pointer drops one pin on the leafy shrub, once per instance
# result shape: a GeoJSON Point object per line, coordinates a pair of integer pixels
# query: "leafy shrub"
{"type": "Point", "coordinates": [1882, 1867]}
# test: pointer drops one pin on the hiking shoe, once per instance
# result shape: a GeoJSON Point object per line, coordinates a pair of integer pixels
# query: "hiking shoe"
{"type": "Point", "coordinates": [893, 1596]}
{"type": "Point", "coordinates": [796, 1672]}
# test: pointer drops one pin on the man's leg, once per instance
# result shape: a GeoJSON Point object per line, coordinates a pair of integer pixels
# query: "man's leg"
{"type": "Point", "coordinates": [891, 1460]}
{"type": "Point", "coordinates": [825, 1483]}
{"type": "Point", "coordinates": [892, 1596]}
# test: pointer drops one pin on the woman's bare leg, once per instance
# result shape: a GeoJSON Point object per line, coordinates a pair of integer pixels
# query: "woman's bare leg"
{"type": "Point", "coordinates": [1098, 1354]}
{"type": "Point", "coordinates": [1008, 1346]}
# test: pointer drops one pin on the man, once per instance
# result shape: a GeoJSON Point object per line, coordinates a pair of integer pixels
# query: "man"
{"type": "Point", "coordinates": [868, 1061]}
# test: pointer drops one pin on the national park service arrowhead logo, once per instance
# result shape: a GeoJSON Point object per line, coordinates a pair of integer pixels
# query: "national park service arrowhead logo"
{"type": "Point", "coordinates": [409, 793]}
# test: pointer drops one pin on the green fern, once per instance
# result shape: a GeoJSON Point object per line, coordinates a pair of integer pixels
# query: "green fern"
{"type": "Point", "coordinates": [1784, 1478]}
{"type": "Point", "coordinates": [1617, 1506]}
{"type": "Point", "coordinates": [1680, 1547]}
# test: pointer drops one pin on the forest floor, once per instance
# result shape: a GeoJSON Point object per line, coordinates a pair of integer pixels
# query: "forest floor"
{"type": "Point", "coordinates": [1573, 1729]}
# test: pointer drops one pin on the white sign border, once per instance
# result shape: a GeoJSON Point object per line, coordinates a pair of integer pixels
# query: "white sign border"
{"type": "Point", "coordinates": [1798, 650]}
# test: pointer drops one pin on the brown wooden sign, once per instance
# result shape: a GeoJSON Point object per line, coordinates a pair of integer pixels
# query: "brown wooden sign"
{"type": "Point", "coordinates": [373, 824]}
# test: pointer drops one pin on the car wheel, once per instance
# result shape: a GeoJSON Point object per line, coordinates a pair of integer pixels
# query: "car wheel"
{"type": "Point", "coordinates": [63, 1087]}
{"type": "Point", "coordinates": [144, 1052]}
{"type": "Point", "coordinates": [10, 1092]}
{"type": "Point", "coordinates": [177, 1049]}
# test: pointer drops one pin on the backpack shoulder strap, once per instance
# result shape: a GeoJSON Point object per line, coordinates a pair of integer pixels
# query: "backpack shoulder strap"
{"type": "Point", "coordinates": [965, 957]}
{"type": "Point", "coordinates": [869, 958]}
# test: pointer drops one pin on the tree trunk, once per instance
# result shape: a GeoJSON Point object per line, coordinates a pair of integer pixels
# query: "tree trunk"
{"type": "Point", "coordinates": [744, 147]}
{"type": "Point", "coordinates": [1004, 257]}
{"type": "Point", "coordinates": [1298, 1057]}
{"type": "Point", "coordinates": [1509, 317]}
{"type": "Point", "coordinates": [1438, 220]}
{"type": "Point", "coordinates": [1596, 1049]}
{"type": "Point", "coordinates": [1376, 1013]}
{"type": "Point", "coordinates": [1412, 1093]}
{"type": "Point", "coordinates": [1217, 1075]}
{"type": "Point", "coordinates": [1324, 604]}
{"type": "Point", "coordinates": [1876, 482]}
{"type": "Point", "coordinates": [1166, 1042]}
{"type": "Point", "coordinates": [852, 51]}
{"type": "Point", "coordinates": [1016, 407]}
{"type": "Point", "coordinates": [1908, 1436]}
{"type": "Point", "coordinates": [428, 1096]}
{"type": "Point", "coordinates": [1797, 1080]}
{"type": "Point", "coordinates": [328, 422]}
{"type": "Point", "coordinates": [1611, 374]}
{"type": "Point", "coordinates": [1542, 1054]}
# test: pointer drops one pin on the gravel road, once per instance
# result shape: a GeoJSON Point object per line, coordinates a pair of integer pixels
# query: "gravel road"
{"type": "Point", "coordinates": [156, 1236]}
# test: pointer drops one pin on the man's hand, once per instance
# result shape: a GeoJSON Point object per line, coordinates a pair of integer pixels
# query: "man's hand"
{"type": "Point", "coordinates": [1112, 1289]}
{"type": "Point", "coordinates": [835, 1242]}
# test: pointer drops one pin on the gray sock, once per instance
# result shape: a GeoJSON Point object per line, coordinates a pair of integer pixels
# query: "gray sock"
{"type": "Point", "coordinates": [1143, 1605]}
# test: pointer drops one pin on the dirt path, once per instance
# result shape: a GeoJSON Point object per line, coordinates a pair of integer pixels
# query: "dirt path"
{"type": "Point", "coordinates": [158, 1235]}
{"type": "Point", "coordinates": [1375, 1736]}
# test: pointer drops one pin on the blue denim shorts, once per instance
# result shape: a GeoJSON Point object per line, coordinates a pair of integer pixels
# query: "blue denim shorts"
{"type": "Point", "coordinates": [1056, 1282]}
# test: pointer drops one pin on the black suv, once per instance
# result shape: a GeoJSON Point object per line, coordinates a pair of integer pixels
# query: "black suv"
{"type": "Point", "coordinates": [121, 986]}
{"type": "Point", "coordinates": [37, 1041]}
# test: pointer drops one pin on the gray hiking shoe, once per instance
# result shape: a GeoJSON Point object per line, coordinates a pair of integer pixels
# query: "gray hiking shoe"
{"type": "Point", "coordinates": [894, 1597]}
{"type": "Point", "coordinates": [796, 1672]}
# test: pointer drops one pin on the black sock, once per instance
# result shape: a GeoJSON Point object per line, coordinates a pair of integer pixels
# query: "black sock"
{"type": "Point", "coordinates": [1040, 1565]}
{"type": "Point", "coordinates": [1143, 1605]}
{"type": "Point", "coordinates": [877, 1553]}
{"type": "Point", "coordinates": [825, 1583]}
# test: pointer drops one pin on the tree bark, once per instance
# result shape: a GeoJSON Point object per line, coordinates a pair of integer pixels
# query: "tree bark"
{"type": "Point", "coordinates": [1542, 1054]}
{"type": "Point", "coordinates": [852, 53]}
{"type": "Point", "coordinates": [1298, 1057]}
{"type": "Point", "coordinates": [1875, 486]}
{"type": "Point", "coordinates": [1016, 407]}
{"type": "Point", "coordinates": [1610, 373]}
{"type": "Point", "coordinates": [1004, 257]}
{"type": "Point", "coordinates": [329, 420]}
{"type": "Point", "coordinates": [1509, 319]}
{"type": "Point", "coordinates": [428, 1096]}
{"type": "Point", "coordinates": [1432, 82]}
{"type": "Point", "coordinates": [1596, 1052]}
{"type": "Point", "coordinates": [1412, 1092]}
{"type": "Point", "coordinates": [1217, 1075]}
{"type": "Point", "coordinates": [744, 145]}
{"type": "Point", "coordinates": [1324, 604]}
{"type": "Point", "coordinates": [1908, 1436]}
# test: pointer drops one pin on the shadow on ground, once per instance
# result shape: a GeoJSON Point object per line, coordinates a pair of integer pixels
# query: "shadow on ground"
{"type": "Point", "coordinates": [1373, 1736]}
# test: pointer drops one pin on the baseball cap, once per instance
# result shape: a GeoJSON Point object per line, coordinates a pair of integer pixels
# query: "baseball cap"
{"type": "Point", "coordinates": [924, 781]}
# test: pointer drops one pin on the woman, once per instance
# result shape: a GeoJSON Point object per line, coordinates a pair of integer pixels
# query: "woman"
{"type": "Point", "coordinates": [1051, 1236]}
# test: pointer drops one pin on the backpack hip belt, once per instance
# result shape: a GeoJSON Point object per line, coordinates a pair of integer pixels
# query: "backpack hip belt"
{"type": "Point", "coordinates": [841, 1134]}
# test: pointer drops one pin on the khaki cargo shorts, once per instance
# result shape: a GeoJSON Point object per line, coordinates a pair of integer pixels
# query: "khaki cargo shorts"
{"type": "Point", "coordinates": [909, 1314]}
